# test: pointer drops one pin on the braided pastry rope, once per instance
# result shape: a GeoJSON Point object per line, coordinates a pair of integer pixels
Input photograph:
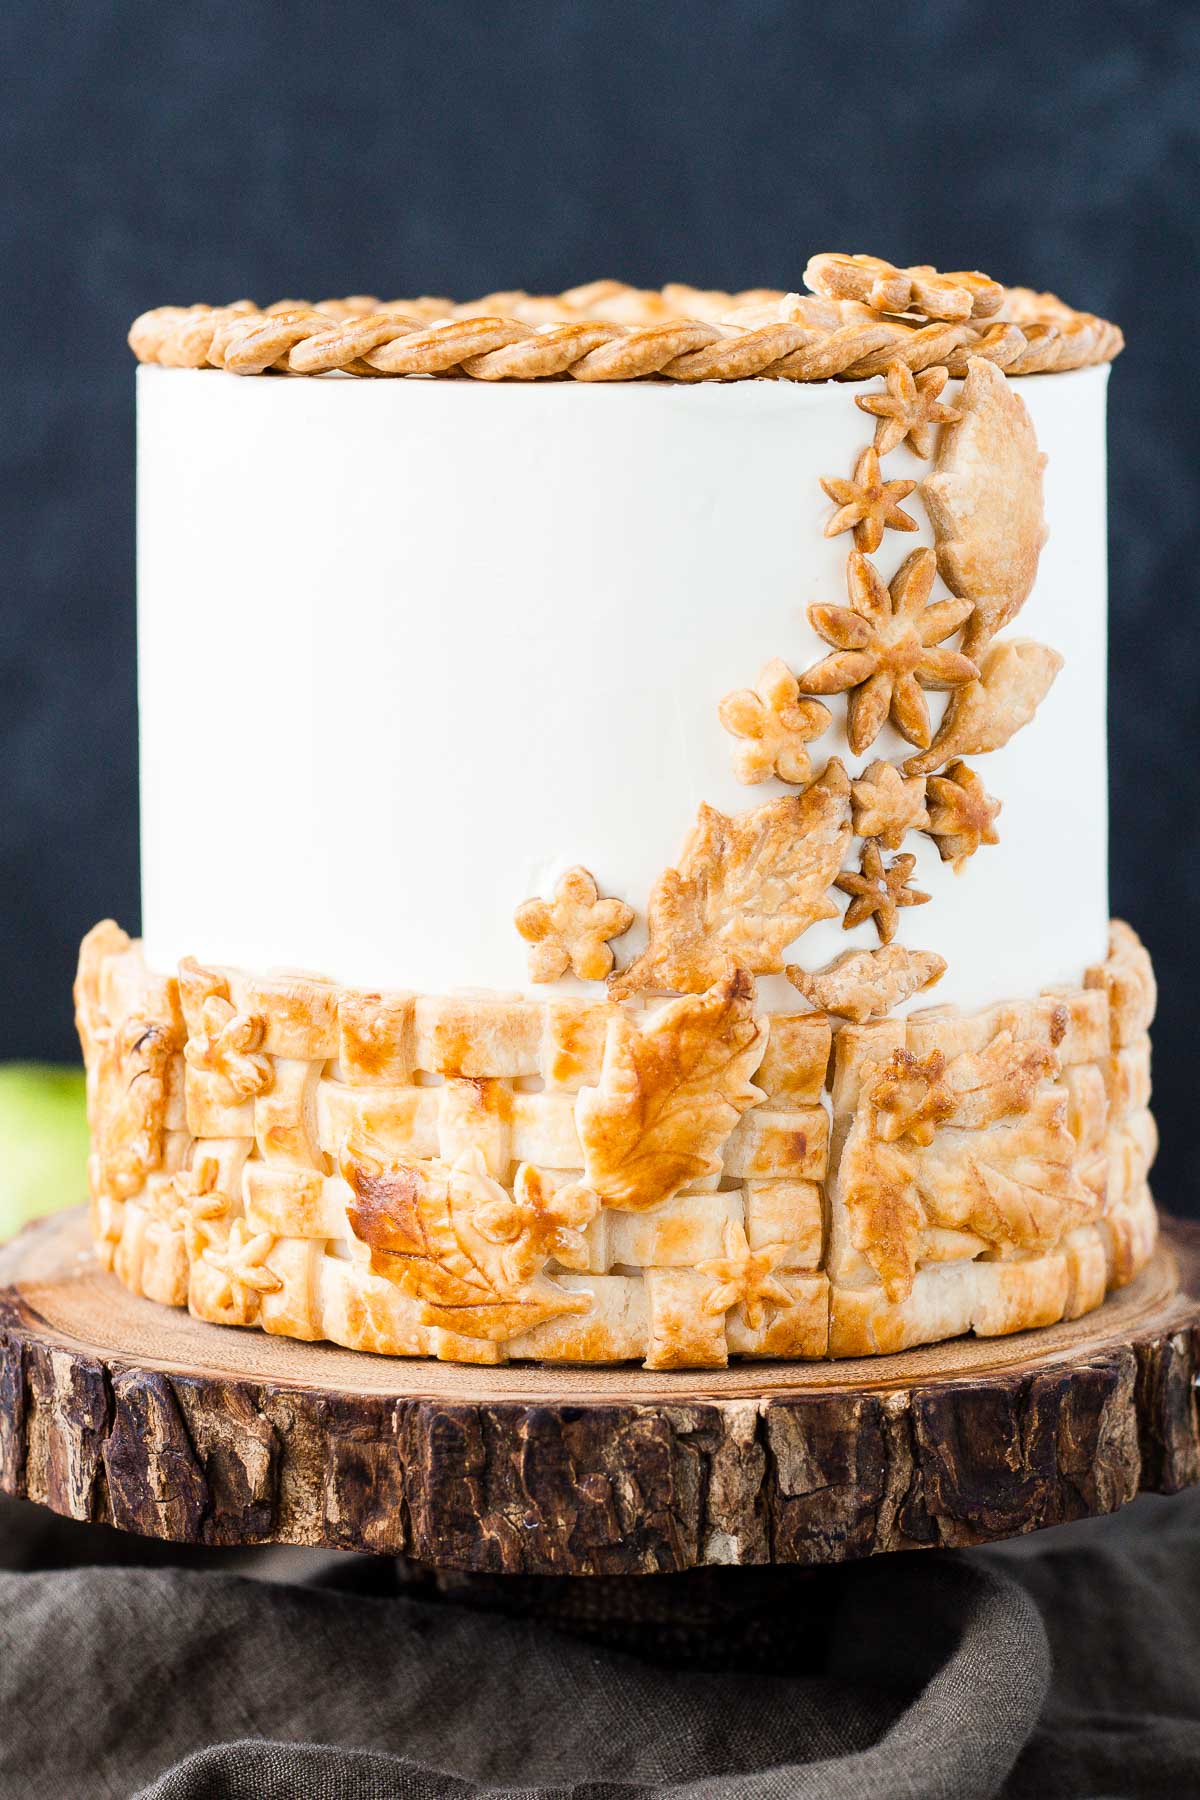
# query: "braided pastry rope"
{"type": "Point", "coordinates": [606, 331]}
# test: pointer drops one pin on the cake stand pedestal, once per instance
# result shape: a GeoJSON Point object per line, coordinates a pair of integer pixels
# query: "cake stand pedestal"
{"type": "Point", "coordinates": [114, 1409]}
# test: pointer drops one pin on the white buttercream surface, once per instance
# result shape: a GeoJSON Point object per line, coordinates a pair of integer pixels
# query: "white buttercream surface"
{"type": "Point", "coordinates": [409, 649]}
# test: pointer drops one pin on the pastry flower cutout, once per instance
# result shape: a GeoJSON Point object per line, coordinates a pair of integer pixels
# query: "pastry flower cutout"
{"type": "Point", "coordinates": [243, 1259]}
{"type": "Point", "coordinates": [886, 649]}
{"type": "Point", "coordinates": [962, 294]}
{"type": "Point", "coordinates": [908, 408]}
{"type": "Point", "coordinates": [228, 1046]}
{"type": "Point", "coordinates": [868, 503]}
{"type": "Point", "coordinates": [772, 725]}
{"type": "Point", "coordinates": [878, 892]}
{"type": "Point", "coordinates": [571, 931]}
{"type": "Point", "coordinates": [744, 1278]}
{"type": "Point", "coordinates": [192, 1202]}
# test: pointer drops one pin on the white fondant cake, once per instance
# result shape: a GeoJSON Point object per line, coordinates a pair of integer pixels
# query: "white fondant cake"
{"type": "Point", "coordinates": [630, 637]}
{"type": "Point", "coordinates": [410, 649]}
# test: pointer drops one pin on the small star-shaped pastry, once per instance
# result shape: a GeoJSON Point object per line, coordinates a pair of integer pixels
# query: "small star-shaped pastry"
{"type": "Point", "coordinates": [868, 503]}
{"type": "Point", "coordinates": [743, 1277]}
{"type": "Point", "coordinates": [884, 649]}
{"type": "Point", "coordinates": [886, 804]}
{"type": "Point", "coordinates": [961, 814]}
{"type": "Point", "coordinates": [909, 408]}
{"type": "Point", "coordinates": [878, 892]}
{"type": "Point", "coordinates": [773, 724]}
{"type": "Point", "coordinates": [571, 931]}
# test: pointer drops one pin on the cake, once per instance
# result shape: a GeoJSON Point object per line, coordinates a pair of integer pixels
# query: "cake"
{"type": "Point", "coordinates": [624, 827]}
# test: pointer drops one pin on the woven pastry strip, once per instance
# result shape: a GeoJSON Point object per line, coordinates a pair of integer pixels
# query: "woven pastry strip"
{"type": "Point", "coordinates": [418, 1175]}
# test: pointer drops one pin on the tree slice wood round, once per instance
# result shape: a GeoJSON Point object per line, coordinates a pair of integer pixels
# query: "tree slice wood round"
{"type": "Point", "coordinates": [118, 1410]}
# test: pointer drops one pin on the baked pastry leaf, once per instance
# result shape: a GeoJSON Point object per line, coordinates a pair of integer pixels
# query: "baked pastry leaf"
{"type": "Point", "coordinates": [450, 1236]}
{"type": "Point", "coordinates": [985, 503]}
{"type": "Point", "coordinates": [745, 888]}
{"type": "Point", "coordinates": [1015, 675]}
{"type": "Point", "coordinates": [867, 984]}
{"type": "Point", "coordinates": [670, 1092]}
{"type": "Point", "coordinates": [962, 813]}
{"type": "Point", "coordinates": [963, 294]}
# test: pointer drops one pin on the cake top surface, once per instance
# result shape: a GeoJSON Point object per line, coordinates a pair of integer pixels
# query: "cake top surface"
{"type": "Point", "coordinates": [861, 315]}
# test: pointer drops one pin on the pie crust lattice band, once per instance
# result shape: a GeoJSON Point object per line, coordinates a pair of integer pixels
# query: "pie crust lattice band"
{"type": "Point", "coordinates": [415, 1175]}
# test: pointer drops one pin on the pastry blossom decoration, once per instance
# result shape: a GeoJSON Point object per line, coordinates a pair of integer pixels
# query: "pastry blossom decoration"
{"type": "Point", "coordinates": [909, 409]}
{"type": "Point", "coordinates": [571, 932]}
{"type": "Point", "coordinates": [744, 1277]}
{"type": "Point", "coordinates": [878, 890]}
{"type": "Point", "coordinates": [228, 1044]}
{"type": "Point", "coordinates": [242, 1260]}
{"type": "Point", "coordinates": [887, 648]}
{"type": "Point", "coordinates": [772, 725]}
{"type": "Point", "coordinates": [867, 505]}
{"type": "Point", "coordinates": [192, 1202]}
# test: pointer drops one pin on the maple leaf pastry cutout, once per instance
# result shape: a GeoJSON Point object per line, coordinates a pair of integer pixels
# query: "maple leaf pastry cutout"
{"type": "Point", "coordinates": [571, 931]}
{"type": "Point", "coordinates": [878, 890]}
{"type": "Point", "coordinates": [671, 1088]}
{"type": "Point", "coordinates": [984, 500]}
{"type": "Point", "coordinates": [887, 647]}
{"type": "Point", "coordinates": [886, 804]}
{"type": "Point", "coordinates": [451, 1237]}
{"type": "Point", "coordinates": [867, 504]}
{"type": "Point", "coordinates": [772, 726]}
{"type": "Point", "coordinates": [908, 408]}
{"type": "Point", "coordinates": [745, 888]}
{"type": "Point", "coordinates": [962, 813]}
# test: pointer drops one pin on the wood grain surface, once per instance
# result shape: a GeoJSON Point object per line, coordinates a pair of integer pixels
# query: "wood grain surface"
{"type": "Point", "coordinates": [118, 1410]}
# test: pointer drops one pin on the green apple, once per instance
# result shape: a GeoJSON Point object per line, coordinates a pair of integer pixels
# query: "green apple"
{"type": "Point", "coordinates": [43, 1142]}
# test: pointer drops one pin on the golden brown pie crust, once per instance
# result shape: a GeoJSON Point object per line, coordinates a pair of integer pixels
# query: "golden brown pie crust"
{"type": "Point", "coordinates": [572, 1180]}
{"type": "Point", "coordinates": [608, 331]}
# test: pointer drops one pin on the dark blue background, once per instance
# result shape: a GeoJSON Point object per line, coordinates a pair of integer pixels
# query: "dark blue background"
{"type": "Point", "coordinates": [161, 152]}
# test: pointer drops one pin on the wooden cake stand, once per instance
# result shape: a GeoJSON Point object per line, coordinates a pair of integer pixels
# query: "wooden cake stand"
{"type": "Point", "coordinates": [117, 1410]}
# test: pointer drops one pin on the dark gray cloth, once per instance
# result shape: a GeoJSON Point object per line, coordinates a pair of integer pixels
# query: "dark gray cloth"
{"type": "Point", "coordinates": [1066, 1665]}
